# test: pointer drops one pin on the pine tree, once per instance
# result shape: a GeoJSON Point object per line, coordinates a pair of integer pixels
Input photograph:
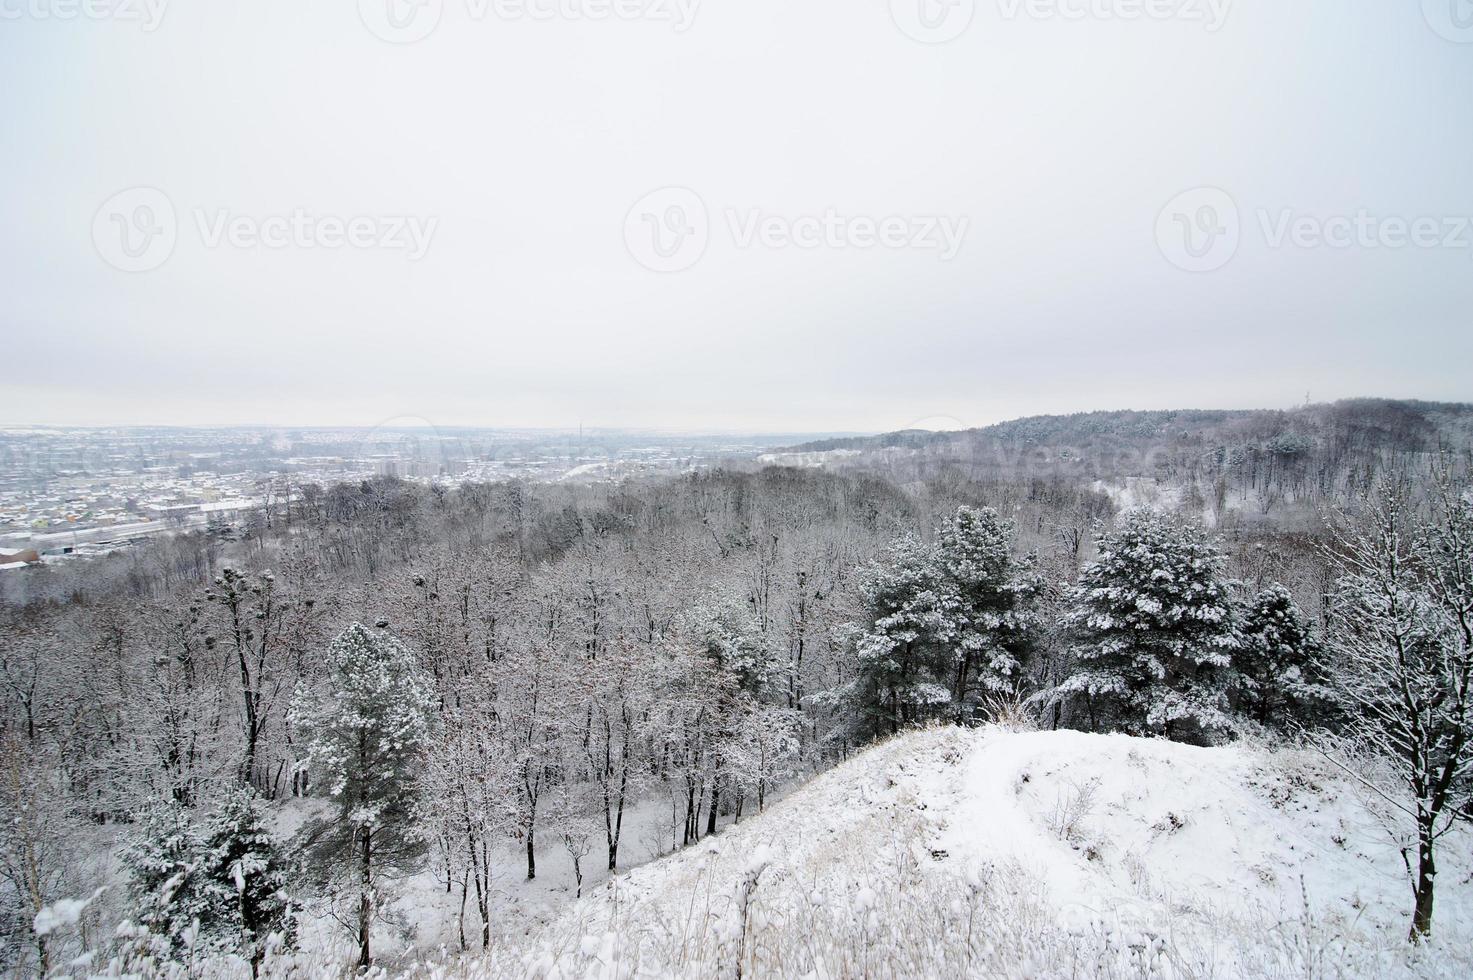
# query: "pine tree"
{"type": "Point", "coordinates": [245, 879]}
{"type": "Point", "coordinates": [368, 728]}
{"type": "Point", "coordinates": [1278, 667]}
{"type": "Point", "coordinates": [991, 599]}
{"type": "Point", "coordinates": [734, 642]}
{"type": "Point", "coordinates": [221, 888]}
{"type": "Point", "coordinates": [1156, 632]}
{"type": "Point", "coordinates": [898, 658]}
{"type": "Point", "coordinates": [951, 623]}
{"type": "Point", "coordinates": [737, 663]}
{"type": "Point", "coordinates": [166, 879]}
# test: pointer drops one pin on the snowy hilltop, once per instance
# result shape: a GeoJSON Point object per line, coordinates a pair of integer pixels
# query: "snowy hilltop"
{"type": "Point", "coordinates": [990, 852]}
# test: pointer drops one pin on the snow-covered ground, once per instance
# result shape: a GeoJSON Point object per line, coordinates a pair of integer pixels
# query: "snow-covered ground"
{"type": "Point", "coordinates": [423, 917]}
{"type": "Point", "coordinates": [1138, 492]}
{"type": "Point", "coordinates": [813, 460]}
{"type": "Point", "coordinates": [997, 853]}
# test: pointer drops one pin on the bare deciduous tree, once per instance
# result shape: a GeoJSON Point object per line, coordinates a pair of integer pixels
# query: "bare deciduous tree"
{"type": "Point", "coordinates": [1403, 631]}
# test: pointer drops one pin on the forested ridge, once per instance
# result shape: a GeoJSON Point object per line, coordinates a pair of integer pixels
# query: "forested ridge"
{"type": "Point", "coordinates": [1316, 451]}
{"type": "Point", "coordinates": [443, 677]}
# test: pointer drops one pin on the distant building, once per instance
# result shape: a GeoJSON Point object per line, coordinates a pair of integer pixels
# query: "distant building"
{"type": "Point", "coordinates": [13, 558]}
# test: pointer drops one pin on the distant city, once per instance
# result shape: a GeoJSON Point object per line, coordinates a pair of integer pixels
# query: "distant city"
{"type": "Point", "coordinates": [74, 492]}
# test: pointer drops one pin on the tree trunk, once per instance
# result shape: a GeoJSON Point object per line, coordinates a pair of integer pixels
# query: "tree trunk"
{"type": "Point", "coordinates": [465, 886]}
{"type": "Point", "coordinates": [531, 854]}
{"type": "Point", "coordinates": [1426, 877]}
{"type": "Point", "coordinates": [479, 872]}
{"type": "Point", "coordinates": [960, 693]}
{"type": "Point", "coordinates": [365, 902]}
{"type": "Point", "coordinates": [690, 813]}
{"type": "Point", "coordinates": [618, 828]}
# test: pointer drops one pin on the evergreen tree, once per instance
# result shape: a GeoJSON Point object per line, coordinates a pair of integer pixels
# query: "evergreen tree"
{"type": "Point", "coordinates": [1156, 632]}
{"type": "Point", "coordinates": [1278, 676]}
{"type": "Point", "coordinates": [245, 879]}
{"type": "Point", "coordinates": [368, 727]}
{"type": "Point", "coordinates": [898, 659]}
{"type": "Point", "coordinates": [734, 642]}
{"type": "Point", "coordinates": [990, 606]}
{"type": "Point", "coordinates": [951, 624]}
{"type": "Point", "coordinates": [166, 880]}
{"type": "Point", "coordinates": [217, 889]}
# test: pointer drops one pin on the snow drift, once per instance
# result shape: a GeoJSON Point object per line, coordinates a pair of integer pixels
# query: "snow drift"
{"type": "Point", "coordinates": [990, 852]}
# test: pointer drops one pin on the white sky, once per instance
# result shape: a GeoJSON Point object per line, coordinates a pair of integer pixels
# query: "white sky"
{"type": "Point", "coordinates": [1058, 140]}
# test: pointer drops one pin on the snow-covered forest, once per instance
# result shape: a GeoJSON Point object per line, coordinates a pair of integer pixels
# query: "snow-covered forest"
{"type": "Point", "coordinates": [960, 724]}
{"type": "Point", "coordinates": [747, 490]}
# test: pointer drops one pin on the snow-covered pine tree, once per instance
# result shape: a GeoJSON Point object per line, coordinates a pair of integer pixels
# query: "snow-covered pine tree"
{"type": "Point", "coordinates": [244, 877]}
{"type": "Point", "coordinates": [951, 624]}
{"type": "Point", "coordinates": [166, 880]}
{"type": "Point", "coordinates": [990, 613]}
{"type": "Point", "coordinates": [734, 641]}
{"type": "Point", "coordinates": [368, 727]}
{"type": "Point", "coordinates": [1156, 632]}
{"type": "Point", "coordinates": [898, 660]}
{"type": "Point", "coordinates": [220, 888]}
{"type": "Point", "coordinates": [1278, 682]}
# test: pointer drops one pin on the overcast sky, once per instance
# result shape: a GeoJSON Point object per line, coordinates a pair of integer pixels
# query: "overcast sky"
{"type": "Point", "coordinates": [868, 230]}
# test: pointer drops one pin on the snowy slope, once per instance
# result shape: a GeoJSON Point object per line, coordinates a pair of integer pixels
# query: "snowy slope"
{"type": "Point", "coordinates": [999, 853]}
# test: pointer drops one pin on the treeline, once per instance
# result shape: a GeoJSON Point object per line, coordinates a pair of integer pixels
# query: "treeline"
{"type": "Point", "coordinates": [1154, 638]}
{"type": "Point", "coordinates": [578, 648]}
{"type": "Point", "coordinates": [1248, 462]}
{"type": "Point", "coordinates": [451, 671]}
